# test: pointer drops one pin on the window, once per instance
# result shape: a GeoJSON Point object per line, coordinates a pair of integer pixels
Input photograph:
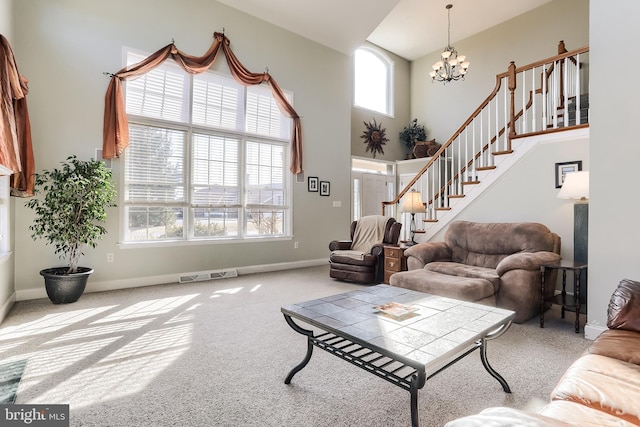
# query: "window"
{"type": "Point", "coordinates": [373, 81]}
{"type": "Point", "coordinates": [207, 158]}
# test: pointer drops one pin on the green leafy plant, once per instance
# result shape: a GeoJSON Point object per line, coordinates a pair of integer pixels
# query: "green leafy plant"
{"type": "Point", "coordinates": [74, 204]}
{"type": "Point", "coordinates": [412, 133]}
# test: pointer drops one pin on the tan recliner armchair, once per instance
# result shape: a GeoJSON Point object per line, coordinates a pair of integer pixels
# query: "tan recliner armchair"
{"type": "Point", "coordinates": [361, 259]}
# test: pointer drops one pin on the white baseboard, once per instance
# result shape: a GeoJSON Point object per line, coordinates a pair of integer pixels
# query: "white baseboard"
{"type": "Point", "coordinates": [137, 282]}
{"type": "Point", "coordinates": [591, 332]}
{"type": "Point", "coordinates": [4, 310]}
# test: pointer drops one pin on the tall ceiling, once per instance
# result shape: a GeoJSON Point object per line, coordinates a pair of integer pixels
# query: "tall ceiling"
{"type": "Point", "coordinates": [408, 28]}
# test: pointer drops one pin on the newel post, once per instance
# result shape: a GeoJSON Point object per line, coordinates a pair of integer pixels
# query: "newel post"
{"type": "Point", "coordinates": [512, 91]}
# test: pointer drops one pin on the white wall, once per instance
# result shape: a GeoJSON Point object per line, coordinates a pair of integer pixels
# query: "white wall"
{"type": "Point", "coordinates": [7, 295]}
{"type": "Point", "coordinates": [64, 47]}
{"type": "Point", "coordinates": [614, 207]}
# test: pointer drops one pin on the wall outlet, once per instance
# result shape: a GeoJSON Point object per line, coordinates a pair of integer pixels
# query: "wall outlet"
{"type": "Point", "coordinates": [109, 257]}
{"type": "Point", "coordinates": [337, 204]}
{"type": "Point", "coordinates": [295, 245]}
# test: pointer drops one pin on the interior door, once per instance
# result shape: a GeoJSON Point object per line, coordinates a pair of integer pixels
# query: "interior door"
{"type": "Point", "coordinates": [376, 188]}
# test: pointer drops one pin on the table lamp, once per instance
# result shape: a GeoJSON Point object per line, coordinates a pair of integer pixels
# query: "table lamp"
{"type": "Point", "coordinates": [413, 204]}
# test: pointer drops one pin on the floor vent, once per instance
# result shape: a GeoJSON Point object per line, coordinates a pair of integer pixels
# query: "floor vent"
{"type": "Point", "coordinates": [208, 275]}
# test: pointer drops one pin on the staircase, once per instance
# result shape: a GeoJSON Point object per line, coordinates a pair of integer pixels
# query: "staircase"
{"type": "Point", "coordinates": [548, 97]}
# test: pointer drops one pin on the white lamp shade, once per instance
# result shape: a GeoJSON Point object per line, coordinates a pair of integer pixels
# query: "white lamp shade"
{"type": "Point", "coordinates": [413, 202]}
{"type": "Point", "coordinates": [575, 186]}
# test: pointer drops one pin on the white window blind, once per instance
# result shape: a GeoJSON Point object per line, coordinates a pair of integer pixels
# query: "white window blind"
{"type": "Point", "coordinates": [206, 160]}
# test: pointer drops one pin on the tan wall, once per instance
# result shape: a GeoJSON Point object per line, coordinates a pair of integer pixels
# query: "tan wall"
{"type": "Point", "coordinates": [393, 149]}
{"type": "Point", "coordinates": [64, 48]}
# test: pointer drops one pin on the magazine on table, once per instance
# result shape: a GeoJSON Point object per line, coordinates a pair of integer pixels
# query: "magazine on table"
{"type": "Point", "coordinates": [395, 309]}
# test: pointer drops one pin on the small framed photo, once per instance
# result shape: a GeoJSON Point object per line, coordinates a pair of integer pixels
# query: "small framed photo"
{"type": "Point", "coordinates": [312, 183]}
{"type": "Point", "coordinates": [562, 169]}
{"type": "Point", "coordinates": [325, 187]}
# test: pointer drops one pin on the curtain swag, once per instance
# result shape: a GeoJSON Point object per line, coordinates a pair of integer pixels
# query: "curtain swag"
{"type": "Point", "coordinates": [116, 127]}
{"type": "Point", "coordinates": [16, 151]}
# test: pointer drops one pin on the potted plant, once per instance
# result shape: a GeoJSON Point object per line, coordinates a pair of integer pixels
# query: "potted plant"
{"type": "Point", "coordinates": [68, 216]}
{"type": "Point", "coordinates": [413, 133]}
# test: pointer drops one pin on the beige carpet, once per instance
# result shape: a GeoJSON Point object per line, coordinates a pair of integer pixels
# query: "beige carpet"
{"type": "Point", "coordinates": [216, 354]}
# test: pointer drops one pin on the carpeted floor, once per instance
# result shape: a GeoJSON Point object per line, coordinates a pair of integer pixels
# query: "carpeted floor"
{"type": "Point", "coordinates": [216, 354]}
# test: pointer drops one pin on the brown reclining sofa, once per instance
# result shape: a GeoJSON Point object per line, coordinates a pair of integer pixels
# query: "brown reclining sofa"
{"type": "Point", "coordinates": [601, 388]}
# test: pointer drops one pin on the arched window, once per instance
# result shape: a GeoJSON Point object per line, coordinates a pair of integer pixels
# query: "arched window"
{"type": "Point", "coordinates": [373, 81]}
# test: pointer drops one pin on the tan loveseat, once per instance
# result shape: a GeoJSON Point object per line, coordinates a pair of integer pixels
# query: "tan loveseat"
{"type": "Point", "coordinates": [601, 388]}
{"type": "Point", "coordinates": [490, 263]}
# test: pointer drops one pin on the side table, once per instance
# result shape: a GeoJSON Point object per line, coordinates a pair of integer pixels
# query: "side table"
{"type": "Point", "coordinates": [568, 302]}
{"type": "Point", "coordinates": [394, 261]}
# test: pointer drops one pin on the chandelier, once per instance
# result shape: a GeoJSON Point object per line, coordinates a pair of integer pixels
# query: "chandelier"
{"type": "Point", "coordinates": [452, 66]}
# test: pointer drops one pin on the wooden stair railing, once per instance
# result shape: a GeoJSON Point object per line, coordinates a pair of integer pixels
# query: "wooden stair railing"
{"type": "Point", "coordinates": [548, 89]}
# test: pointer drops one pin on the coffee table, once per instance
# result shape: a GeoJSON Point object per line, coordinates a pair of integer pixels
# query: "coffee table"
{"type": "Point", "coordinates": [405, 351]}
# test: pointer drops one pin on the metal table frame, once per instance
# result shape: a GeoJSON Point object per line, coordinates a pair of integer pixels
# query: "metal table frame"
{"type": "Point", "coordinates": [404, 373]}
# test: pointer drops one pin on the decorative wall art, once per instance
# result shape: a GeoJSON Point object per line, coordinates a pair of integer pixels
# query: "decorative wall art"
{"type": "Point", "coordinates": [325, 187]}
{"type": "Point", "coordinates": [374, 137]}
{"type": "Point", "coordinates": [562, 169]}
{"type": "Point", "coordinates": [312, 183]}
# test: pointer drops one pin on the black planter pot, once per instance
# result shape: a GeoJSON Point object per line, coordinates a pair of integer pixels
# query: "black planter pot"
{"type": "Point", "coordinates": [64, 288]}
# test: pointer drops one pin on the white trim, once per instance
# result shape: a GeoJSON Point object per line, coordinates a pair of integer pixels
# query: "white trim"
{"type": "Point", "coordinates": [137, 282]}
{"type": "Point", "coordinates": [4, 310]}
{"type": "Point", "coordinates": [592, 331]}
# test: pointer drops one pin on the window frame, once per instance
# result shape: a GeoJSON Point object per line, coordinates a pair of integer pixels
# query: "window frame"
{"type": "Point", "coordinates": [188, 205]}
{"type": "Point", "coordinates": [389, 65]}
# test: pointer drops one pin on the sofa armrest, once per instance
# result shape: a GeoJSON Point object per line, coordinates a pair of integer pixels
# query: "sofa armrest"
{"type": "Point", "coordinates": [340, 245]}
{"type": "Point", "coordinates": [425, 253]}
{"type": "Point", "coordinates": [526, 261]}
{"type": "Point", "coordinates": [377, 249]}
{"type": "Point", "coordinates": [624, 307]}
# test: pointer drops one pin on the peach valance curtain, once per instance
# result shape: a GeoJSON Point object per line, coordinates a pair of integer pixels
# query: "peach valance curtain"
{"type": "Point", "coordinates": [116, 126]}
{"type": "Point", "coordinates": [16, 152]}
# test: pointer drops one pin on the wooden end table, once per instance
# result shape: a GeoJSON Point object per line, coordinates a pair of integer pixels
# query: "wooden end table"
{"type": "Point", "coordinates": [568, 302]}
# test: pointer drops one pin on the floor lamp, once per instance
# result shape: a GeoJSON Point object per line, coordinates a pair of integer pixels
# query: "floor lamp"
{"type": "Point", "coordinates": [576, 187]}
{"type": "Point", "coordinates": [413, 204]}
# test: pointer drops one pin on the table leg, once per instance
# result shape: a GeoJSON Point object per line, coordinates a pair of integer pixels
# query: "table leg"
{"type": "Point", "coordinates": [417, 382]}
{"type": "Point", "coordinates": [576, 294]}
{"type": "Point", "coordinates": [492, 372]}
{"type": "Point", "coordinates": [307, 357]}
{"type": "Point", "coordinates": [542, 285]}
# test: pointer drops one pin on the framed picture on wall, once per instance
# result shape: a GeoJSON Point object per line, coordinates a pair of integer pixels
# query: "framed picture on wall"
{"type": "Point", "coordinates": [325, 187]}
{"type": "Point", "coordinates": [562, 169]}
{"type": "Point", "coordinates": [312, 183]}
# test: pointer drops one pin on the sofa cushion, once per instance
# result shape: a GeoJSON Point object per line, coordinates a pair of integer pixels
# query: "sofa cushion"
{"type": "Point", "coordinates": [430, 282]}
{"type": "Point", "coordinates": [463, 270]}
{"type": "Point", "coordinates": [602, 383]}
{"type": "Point", "coordinates": [577, 414]}
{"type": "Point", "coordinates": [486, 244]}
{"type": "Point", "coordinates": [624, 306]}
{"type": "Point", "coordinates": [507, 417]}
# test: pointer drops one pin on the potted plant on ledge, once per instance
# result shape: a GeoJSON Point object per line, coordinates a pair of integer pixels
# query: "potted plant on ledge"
{"type": "Point", "coordinates": [412, 134]}
{"type": "Point", "coordinates": [68, 216]}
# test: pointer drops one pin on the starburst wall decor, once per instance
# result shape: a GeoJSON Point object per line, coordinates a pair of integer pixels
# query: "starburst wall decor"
{"type": "Point", "coordinates": [374, 137]}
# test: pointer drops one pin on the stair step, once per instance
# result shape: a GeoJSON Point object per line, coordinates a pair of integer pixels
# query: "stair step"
{"type": "Point", "coordinates": [485, 168]}
{"type": "Point", "coordinates": [420, 231]}
{"type": "Point", "coordinates": [455, 196]}
{"type": "Point", "coordinates": [443, 209]}
{"type": "Point", "coordinates": [470, 182]}
{"type": "Point", "coordinates": [430, 220]}
{"type": "Point", "coordinates": [501, 153]}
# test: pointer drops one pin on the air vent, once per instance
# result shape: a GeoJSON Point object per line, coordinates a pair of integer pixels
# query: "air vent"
{"type": "Point", "coordinates": [207, 275]}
